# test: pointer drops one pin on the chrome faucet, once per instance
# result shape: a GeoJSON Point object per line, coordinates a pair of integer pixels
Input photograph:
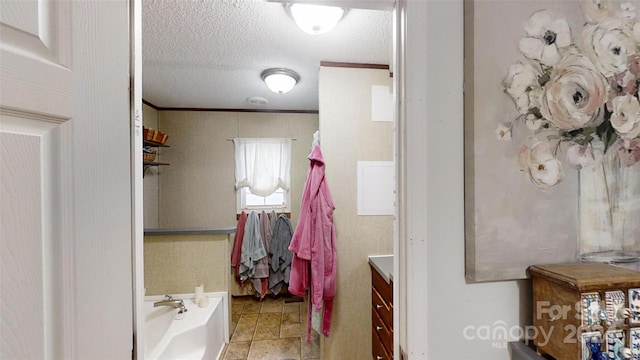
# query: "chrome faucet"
{"type": "Point", "coordinates": [169, 301]}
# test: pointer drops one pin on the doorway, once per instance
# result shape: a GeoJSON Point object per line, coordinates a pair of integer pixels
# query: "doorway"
{"type": "Point", "coordinates": [139, 246]}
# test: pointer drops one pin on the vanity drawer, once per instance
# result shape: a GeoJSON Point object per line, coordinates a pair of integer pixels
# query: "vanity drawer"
{"type": "Point", "coordinates": [381, 316]}
{"type": "Point", "coordinates": [384, 288]}
{"type": "Point", "coordinates": [379, 352]}
{"type": "Point", "coordinates": [384, 309]}
{"type": "Point", "coordinates": [383, 331]}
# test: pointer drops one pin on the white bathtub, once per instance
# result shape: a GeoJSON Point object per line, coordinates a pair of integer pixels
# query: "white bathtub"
{"type": "Point", "coordinates": [201, 334]}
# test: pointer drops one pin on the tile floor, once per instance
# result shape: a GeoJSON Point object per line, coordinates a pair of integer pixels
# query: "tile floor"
{"type": "Point", "coordinates": [271, 329]}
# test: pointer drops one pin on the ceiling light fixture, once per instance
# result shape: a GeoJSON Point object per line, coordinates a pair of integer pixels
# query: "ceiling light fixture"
{"type": "Point", "coordinates": [280, 80]}
{"type": "Point", "coordinates": [315, 19]}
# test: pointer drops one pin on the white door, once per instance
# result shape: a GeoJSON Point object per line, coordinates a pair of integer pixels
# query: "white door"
{"type": "Point", "coordinates": [35, 104]}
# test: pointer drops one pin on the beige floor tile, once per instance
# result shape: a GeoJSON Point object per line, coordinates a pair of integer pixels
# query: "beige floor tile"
{"type": "Point", "coordinates": [290, 318]}
{"type": "Point", "coordinates": [280, 349]}
{"type": "Point", "coordinates": [270, 319]}
{"type": "Point", "coordinates": [291, 308]}
{"type": "Point", "coordinates": [271, 307]}
{"type": "Point", "coordinates": [252, 308]}
{"type": "Point", "coordinates": [234, 321]}
{"type": "Point", "coordinates": [237, 351]}
{"type": "Point", "coordinates": [243, 334]}
{"type": "Point", "coordinates": [248, 319]}
{"type": "Point", "coordinates": [267, 332]}
{"type": "Point", "coordinates": [245, 329]}
{"type": "Point", "coordinates": [293, 330]}
{"type": "Point", "coordinates": [236, 308]}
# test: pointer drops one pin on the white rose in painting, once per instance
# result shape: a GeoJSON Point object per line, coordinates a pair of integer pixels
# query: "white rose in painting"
{"type": "Point", "coordinates": [520, 81]}
{"type": "Point", "coordinates": [546, 37]}
{"type": "Point", "coordinates": [533, 123]}
{"type": "Point", "coordinates": [503, 132]}
{"type": "Point", "coordinates": [574, 95]}
{"type": "Point", "coordinates": [544, 169]}
{"type": "Point", "coordinates": [627, 11]}
{"type": "Point", "coordinates": [625, 118]}
{"type": "Point", "coordinates": [609, 45]}
{"type": "Point", "coordinates": [596, 10]}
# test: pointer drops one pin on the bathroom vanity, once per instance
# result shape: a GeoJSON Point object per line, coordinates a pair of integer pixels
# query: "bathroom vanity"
{"type": "Point", "coordinates": [382, 306]}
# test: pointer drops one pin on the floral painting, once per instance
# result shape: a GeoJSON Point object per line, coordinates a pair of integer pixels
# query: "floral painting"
{"type": "Point", "coordinates": [551, 89]}
{"type": "Point", "coordinates": [583, 97]}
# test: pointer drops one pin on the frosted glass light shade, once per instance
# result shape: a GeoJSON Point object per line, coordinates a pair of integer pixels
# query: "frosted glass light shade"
{"type": "Point", "coordinates": [280, 81]}
{"type": "Point", "coordinates": [316, 19]}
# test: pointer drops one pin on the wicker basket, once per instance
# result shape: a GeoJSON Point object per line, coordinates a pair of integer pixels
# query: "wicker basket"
{"type": "Point", "coordinates": [148, 133]}
{"type": "Point", "coordinates": [148, 157]}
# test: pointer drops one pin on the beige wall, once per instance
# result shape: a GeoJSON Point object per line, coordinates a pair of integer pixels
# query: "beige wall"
{"type": "Point", "coordinates": [348, 135]}
{"type": "Point", "coordinates": [176, 264]}
{"type": "Point", "coordinates": [197, 189]}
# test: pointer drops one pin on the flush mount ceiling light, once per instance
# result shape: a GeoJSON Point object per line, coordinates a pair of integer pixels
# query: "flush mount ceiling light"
{"type": "Point", "coordinates": [315, 19]}
{"type": "Point", "coordinates": [280, 80]}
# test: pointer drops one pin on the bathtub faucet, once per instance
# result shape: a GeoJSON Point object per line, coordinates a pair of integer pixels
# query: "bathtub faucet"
{"type": "Point", "coordinates": [169, 301]}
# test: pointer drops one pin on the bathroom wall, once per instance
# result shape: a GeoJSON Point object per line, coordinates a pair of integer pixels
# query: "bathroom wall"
{"type": "Point", "coordinates": [175, 264]}
{"type": "Point", "coordinates": [348, 135]}
{"type": "Point", "coordinates": [197, 189]}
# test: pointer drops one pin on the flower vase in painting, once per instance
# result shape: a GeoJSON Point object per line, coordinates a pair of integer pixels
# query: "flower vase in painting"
{"type": "Point", "coordinates": [576, 92]}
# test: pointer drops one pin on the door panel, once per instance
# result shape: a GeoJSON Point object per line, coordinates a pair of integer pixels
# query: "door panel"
{"type": "Point", "coordinates": [35, 102]}
{"type": "Point", "coordinates": [36, 55]}
{"type": "Point", "coordinates": [21, 275]}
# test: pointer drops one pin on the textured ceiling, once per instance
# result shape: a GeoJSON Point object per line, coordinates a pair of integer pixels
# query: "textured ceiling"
{"type": "Point", "coordinates": [210, 53]}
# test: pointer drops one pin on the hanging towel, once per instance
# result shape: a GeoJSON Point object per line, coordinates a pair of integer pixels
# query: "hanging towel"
{"type": "Point", "coordinates": [261, 276]}
{"type": "Point", "coordinates": [252, 247]}
{"type": "Point", "coordinates": [273, 217]}
{"type": "Point", "coordinates": [237, 246]}
{"type": "Point", "coordinates": [313, 245]}
{"type": "Point", "coordinates": [280, 255]}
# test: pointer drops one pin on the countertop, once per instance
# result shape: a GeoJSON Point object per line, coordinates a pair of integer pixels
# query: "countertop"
{"type": "Point", "coordinates": [191, 231]}
{"type": "Point", "coordinates": [383, 265]}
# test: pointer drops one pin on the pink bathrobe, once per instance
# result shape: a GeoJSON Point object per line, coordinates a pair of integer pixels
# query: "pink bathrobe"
{"type": "Point", "coordinates": [314, 245]}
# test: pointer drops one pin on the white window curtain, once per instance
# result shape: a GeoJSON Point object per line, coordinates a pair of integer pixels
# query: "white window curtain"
{"type": "Point", "coordinates": [263, 164]}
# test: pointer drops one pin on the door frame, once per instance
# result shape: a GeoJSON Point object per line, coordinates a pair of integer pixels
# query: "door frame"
{"type": "Point", "coordinates": [137, 188]}
{"type": "Point", "coordinates": [400, 152]}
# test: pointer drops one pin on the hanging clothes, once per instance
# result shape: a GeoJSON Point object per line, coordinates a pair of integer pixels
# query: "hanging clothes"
{"type": "Point", "coordinates": [281, 257]}
{"type": "Point", "coordinates": [273, 217]}
{"type": "Point", "coordinates": [313, 245]}
{"type": "Point", "coordinates": [261, 276]}
{"type": "Point", "coordinates": [237, 246]}
{"type": "Point", "coordinates": [252, 247]}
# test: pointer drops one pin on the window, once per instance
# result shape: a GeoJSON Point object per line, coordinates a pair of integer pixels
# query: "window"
{"type": "Point", "coordinates": [279, 199]}
{"type": "Point", "coordinates": [262, 173]}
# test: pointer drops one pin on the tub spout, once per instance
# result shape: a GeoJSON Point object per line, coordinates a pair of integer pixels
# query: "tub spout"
{"type": "Point", "coordinates": [169, 301]}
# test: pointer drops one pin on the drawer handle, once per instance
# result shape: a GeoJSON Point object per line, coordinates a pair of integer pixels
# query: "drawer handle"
{"type": "Point", "coordinates": [378, 328]}
{"type": "Point", "coordinates": [378, 357]}
{"type": "Point", "coordinates": [378, 306]}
